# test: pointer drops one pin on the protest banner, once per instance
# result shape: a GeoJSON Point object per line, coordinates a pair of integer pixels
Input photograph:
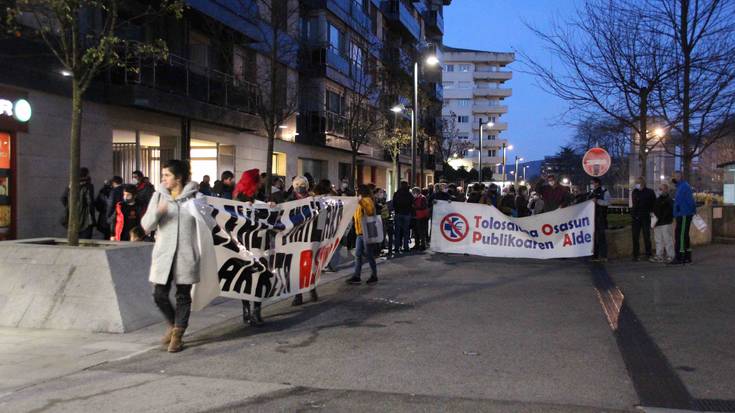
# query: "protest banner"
{"type": "Point", "coordinates": [263, 252]}
{"type": "Point", "coordinates": [480, 229]}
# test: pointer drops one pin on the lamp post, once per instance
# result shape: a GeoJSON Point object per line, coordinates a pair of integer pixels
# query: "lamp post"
{"type": "Point", "coordinates": [515, 169]}
{"type": "Point", "coordinates": [524, 171]}
{"type": "Point", "coordinates": [398, 109]}
{"type": "Point", "coordinates": [489, 124]}
{"type": "Point", "coordinates": [510, 148]}
{"type": "Point", "coordinates": [431, 61]}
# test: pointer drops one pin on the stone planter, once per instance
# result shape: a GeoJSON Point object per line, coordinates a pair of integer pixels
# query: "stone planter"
{"type": "Point", "coordinates": [100, 287]}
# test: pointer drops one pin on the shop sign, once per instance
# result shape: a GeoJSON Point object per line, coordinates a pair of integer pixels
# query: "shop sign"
{"type": "Point", "coordinates": [20, 109]}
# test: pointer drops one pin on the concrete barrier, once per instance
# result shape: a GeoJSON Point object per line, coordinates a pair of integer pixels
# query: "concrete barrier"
{"type": "Point", "coordinates": [620, 241]}
{"type": "Point", "coordinates": [102, 287]}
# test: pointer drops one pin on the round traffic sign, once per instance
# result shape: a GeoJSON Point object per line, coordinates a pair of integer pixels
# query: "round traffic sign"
{"type": "Point", "coordinates": [596, 162]}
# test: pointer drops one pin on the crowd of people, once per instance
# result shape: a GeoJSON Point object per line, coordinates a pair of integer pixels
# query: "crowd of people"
{"type": "Point", "coordinates": [135, 211]}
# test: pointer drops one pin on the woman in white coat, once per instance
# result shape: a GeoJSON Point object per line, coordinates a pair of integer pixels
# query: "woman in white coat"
{"type": "Point", "coordinates": [175, 255]}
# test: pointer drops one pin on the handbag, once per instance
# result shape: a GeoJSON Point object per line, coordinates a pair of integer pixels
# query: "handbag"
{"type": "Point", "coordinates": [372, 229]}
{"type": "Point", "coordinates": [699, 223]}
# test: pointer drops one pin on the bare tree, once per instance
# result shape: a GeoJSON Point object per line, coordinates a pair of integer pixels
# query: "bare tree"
{"type": "Point", "coordinates": [613, 60]}
{"type": "Point", "coordinates": [364, 120]}
{"type": "Point", "coordinates": [276, 87]}
{"type": "Point", "coordinates": [83, 36]}
{"type": "Point", "coordinates": [610, 135]}
{"type": "Point", "coordinates": [448, 142]}
{"type": "Point", "coordinates": [697, 102]}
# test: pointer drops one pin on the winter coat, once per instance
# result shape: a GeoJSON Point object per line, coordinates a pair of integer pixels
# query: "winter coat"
{"type": "Point", "coordinates": [684, 204]}
{"type": "Point", "coordinates": [365, 207]}
{"type": "Point", "coordinates": [145, 192]}
{"type": "Point", "coordinates": [126, 218]}
{"type": "Point", "coordinates": [86, 205]}
{"type": "Point", "coordinates": [555, 197]}
{"type": "Point", "coordinates": [220, 190]}
{"type": "Point", "coordinates": [403, 202]}
{"type": "Point", "coordinates": [521, 206]}
{"type": "Point", "coordinates": [643, 201]}
{"type": "Point", "coordinates": [175, 252]}
{"type": "Point", "coordinates": [421, 206]}
{"type": "Point", "coordinates": [116, 195]}
{"type": "Point", "coordinates": [507, 204]}
{"type": "Point", "coordinates": [664, 210]}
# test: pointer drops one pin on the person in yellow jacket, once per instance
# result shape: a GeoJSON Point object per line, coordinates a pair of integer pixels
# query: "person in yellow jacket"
{"type": "Point", "coordinates": [366, 207]}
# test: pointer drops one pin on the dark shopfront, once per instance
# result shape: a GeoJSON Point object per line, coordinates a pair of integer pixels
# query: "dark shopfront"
{"type": "Point", "coordinates": [15, 112]}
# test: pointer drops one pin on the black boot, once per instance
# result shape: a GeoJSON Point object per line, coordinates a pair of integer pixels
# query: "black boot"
{"type": "Point", "coordinates": [373, 279]}
{"type": "Point", "coordinates": [688, 257]}
{"type": "Point", "coordinates": [297, 300]}
{"type": "Point", "coordinates": [245, 311]}
{"type": "Point", "coordinates": [314, 295]}
{"type": "Point", "coordinates": [255, 319]}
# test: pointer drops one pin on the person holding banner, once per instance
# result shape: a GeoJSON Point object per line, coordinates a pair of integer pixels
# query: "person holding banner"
{"type": "Point", "coordinates": [602, 201]}
{"type": "Point", "coordinates": [175, 255]}
{"type": "Point", "coordinates": [365, 207]}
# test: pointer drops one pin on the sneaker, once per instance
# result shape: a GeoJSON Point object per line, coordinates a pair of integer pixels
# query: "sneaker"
{"type": "Point", "coordinates": [655, 259]}
{"type": "Point", "coordinates": [297, 300]}
{"type": "Point", "coordinates": [354, 280]}
{"type": "Point", "coordinates": [314, 295]}
{"type": "Point", "coordinates": [373, 279]}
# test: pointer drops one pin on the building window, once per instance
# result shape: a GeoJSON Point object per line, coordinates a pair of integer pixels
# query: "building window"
{"type": "Point", "coordinates": [465, 85]}
{"type": "Point", "coordinates": [462, 137]}
{"type": "Point", "coordinates": [464, 103]}
{"type": "Point", "coordinates": [335, 102]}
{"type": "Point", "coordinates": [465, 68]}
{"type": "Point", "coordinates": [448, 85]}
{"type": "Point", "coordinates": [492, 153]}
{"type": "Point", "coordinates": [336, 39]}
{"type": "Point", "coordinates": [491, 137]}
{"type": "Point", "coordinates": [449, 68]}
{"type": "Point", "coordinates": [279, 164]}
{"type": "Point", "coordinates": [356, 55]}
{"type": "Point", "coordinates": [463, 119]}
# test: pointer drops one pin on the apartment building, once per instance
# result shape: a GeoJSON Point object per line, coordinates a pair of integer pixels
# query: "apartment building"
{"type": "Point", "coordinates": [474, 83]}
{"type": "Point", "coordinates": [200, 102]}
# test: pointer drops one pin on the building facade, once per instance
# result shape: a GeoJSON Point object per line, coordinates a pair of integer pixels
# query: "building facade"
{"type": "Point", "coordinates": [200, 102]}
{"type": "Point", "coordinates": [475, 90]}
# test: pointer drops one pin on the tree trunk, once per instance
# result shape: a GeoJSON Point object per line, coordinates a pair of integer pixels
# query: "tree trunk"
{"type": "Point", "coordinates": [353, 175]}
{"type": "Point", "coordinates": [686, 86]}
{"type": "Point", "coordinates": [269, 164]}
{"type": "Point", "coordinates": [74, 164]}
{"type": "Point", "coordinates": [643, 135]}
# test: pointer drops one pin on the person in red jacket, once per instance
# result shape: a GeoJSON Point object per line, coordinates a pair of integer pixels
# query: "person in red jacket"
{"type": "Point", "coordinates": [128, 214]}
{"type": "Point", "coordinates": [421, 213]}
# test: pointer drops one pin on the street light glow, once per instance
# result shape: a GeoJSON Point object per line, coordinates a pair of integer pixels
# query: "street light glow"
{"type": "Point", "coordinates": [65, 73]}
{"type": "Point", "coordinates": [282, 127]}
{"type": "Point", "coordinates": [510, 147]}
{"type": "Point", "coordinates": [432, 60]}
{"type": "Point", "coordinates": [663, 177]}
{"type": "Point", "coordinates": [490, 124]}
{"type": "Point", "coordinates": [565, 181]}
{"type": "Point", "coordinates": [396, 109]}
{"type": "Point", "coordinates": [659, 132]}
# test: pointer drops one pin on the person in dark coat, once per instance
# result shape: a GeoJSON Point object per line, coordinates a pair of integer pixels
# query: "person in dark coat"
{"type": "Point", "coordinates": [555, 196]}
{"type": "Point", "coordinates": [204, 186]}
{"type": "Point", "coordinates": [508, 201]}
{"type": "Point", "coordinates": [685, 208]}
{"type": "Point", "coordinates": [100, 206]}
{"type": "Point", "coordinates": [643, 200]}
{"type": "Point", "coordinates": [602, 201]}
{"type": "Point", "coordinates": [403, 209]}
{"type": "Point", "coordinates": [521, 203]}
{"type": "Point", "coordinates": [86, 219]}
{"type": "Point", "coordinates": [225, 186]}
{"type": "Point", "coordinates": [144, 187]}
{"type": "Point", "coordinates": [475, 194]}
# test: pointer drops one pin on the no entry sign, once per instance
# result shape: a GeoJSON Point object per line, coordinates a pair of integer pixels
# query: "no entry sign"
{"type": "Point", "coordinates": [596, 162]}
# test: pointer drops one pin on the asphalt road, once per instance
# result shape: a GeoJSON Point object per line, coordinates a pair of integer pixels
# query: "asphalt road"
{"type": "Point", "coordinates": [455, 332]}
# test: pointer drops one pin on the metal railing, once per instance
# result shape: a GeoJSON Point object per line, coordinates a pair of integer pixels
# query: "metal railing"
{"type": "Point", "coordinates": [180, 76]}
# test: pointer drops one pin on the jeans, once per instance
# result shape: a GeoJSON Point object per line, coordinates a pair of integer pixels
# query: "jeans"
{"type": "Point", "coordinates": [178, 317]}
{"type": "Point", "coordinates": [641, 223]}
{"type": "Point", "coordinates": [361, 248]}
{"type": "Point", "coordinates": [402, 232]}
{"type": "Point", "coordinates": [664, 236]}
{"type": "Point", "coordinates": [683, 250]}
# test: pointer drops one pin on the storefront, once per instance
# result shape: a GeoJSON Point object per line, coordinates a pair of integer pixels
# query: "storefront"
{"type": "Point", "coordinates": [15, 113]}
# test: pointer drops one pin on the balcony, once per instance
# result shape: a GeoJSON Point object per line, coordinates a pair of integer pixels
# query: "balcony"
{"type": "Point", "coordinates": [349, 11]}
{"type": "Point", "coordinates": [501, 75]}
{"type": "Point", "coordinates": [396, 12]}
{"type": "Point", "coordinates": [182, 77]}
{"type": "Point", "coordinates": [488, 108]}
{"type": "Point", "coordinates": [492, 92]}
{"type": "Point", "coordinates": [320, 127]}
{"type": "Point", "coordinates": [434, 23]}
{"type": "Point", "coordinates": [498, 126]}
{"type": "Point", "coordinates": [324, 61]}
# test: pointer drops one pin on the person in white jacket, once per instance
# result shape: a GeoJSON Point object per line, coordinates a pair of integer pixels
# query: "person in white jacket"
{"type": "Point", "coordinates": [176, 253]}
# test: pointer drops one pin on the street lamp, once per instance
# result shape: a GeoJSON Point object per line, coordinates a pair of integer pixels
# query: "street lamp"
{"type": "Point", "coordinates": [510, 148]}
{"type": "Point", "coordinates": [489, 124]}
{"type": "Point", "coordinates": [515, 181]}
{"type": "Point", "coordinates": [431, 61]}
{"type": "Point", "coordinates": [524, 171]}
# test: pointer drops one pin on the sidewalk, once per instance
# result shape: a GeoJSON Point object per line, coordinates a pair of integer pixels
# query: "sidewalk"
{"type": "Point", "coordinates": [31, 356]}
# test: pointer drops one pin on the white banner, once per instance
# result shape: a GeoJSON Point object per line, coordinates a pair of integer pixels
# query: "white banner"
{"type": "Point", "coordinates": [263, 252]}
{"type": "Point", "coordinates": [480, 229]}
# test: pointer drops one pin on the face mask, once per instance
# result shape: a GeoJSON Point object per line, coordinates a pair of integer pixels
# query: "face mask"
{"type": "Point", "coordinates": [637, 186]}
{"type": "Point", "coordinates": [301, 189]}
{"type": "Point", "coordinates": [552, 183]}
